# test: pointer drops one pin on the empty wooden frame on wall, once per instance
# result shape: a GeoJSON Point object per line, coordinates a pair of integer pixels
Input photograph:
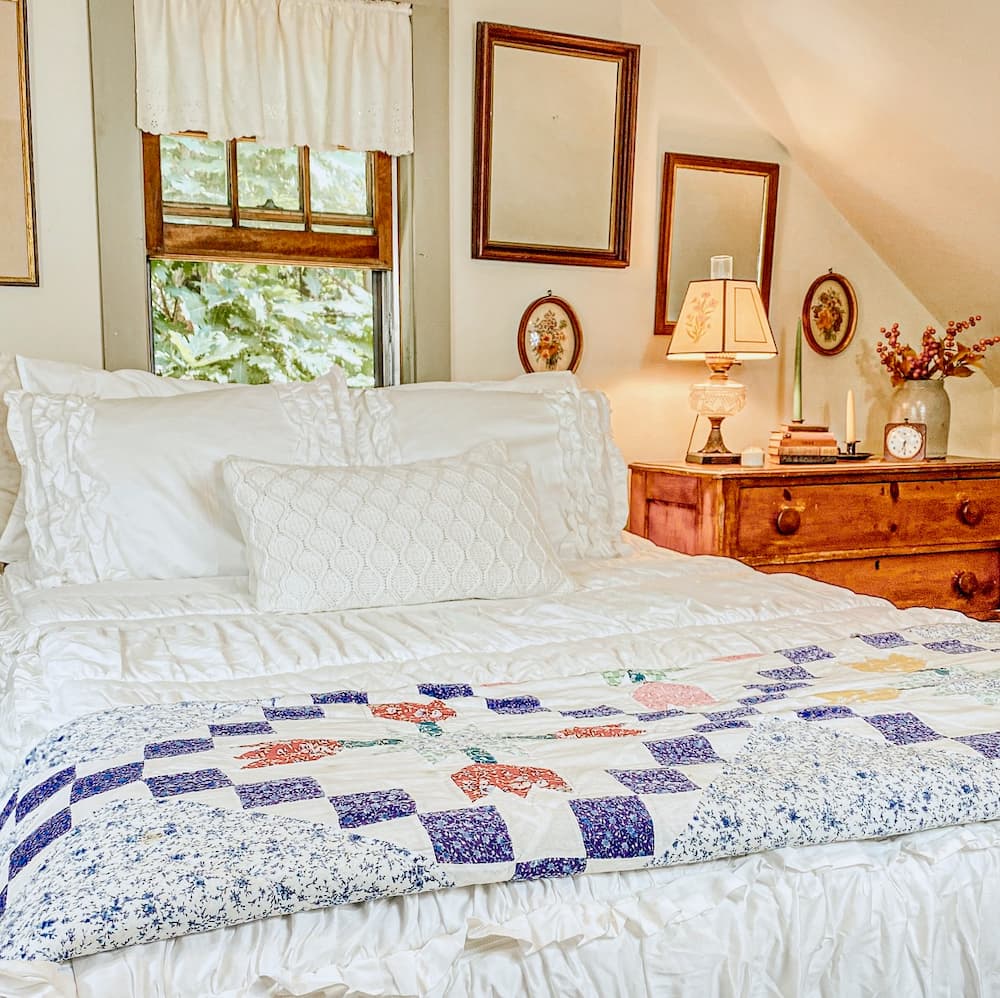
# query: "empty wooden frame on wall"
{"type": "Point", "coordinates": [18, 250]}
{"type": "Point", "coordinates": [554, 147]}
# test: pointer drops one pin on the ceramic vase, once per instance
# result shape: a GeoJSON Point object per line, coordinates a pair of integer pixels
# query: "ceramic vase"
{"type": "Point", "coordinates": [925, 402]}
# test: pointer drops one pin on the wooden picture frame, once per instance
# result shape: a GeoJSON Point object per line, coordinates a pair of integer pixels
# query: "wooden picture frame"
{"type": "Point", "coordinates": [688, 242]}
{"type": "Point", "coordinates": [18, 233]}
{"type": "Point", "coordinates": [554, 148]}
{"type": "Point", "coordinates": [542, 336]}
{"type": "Point", "coordinates": [829, 314]}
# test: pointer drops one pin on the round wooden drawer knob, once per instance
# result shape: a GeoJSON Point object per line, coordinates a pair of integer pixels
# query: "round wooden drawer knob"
{"type": "Point", "coordinates": [970, 513]}
{"type": "Point", "coordinates": [788, 521]}
{"type": "Point", "coordinates": [966, 584]}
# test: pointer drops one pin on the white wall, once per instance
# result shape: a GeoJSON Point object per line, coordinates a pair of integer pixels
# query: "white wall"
{"type": "Point", "coordinates": [62, 317]}
{"type": "Point", "coordinates": [683, 107]}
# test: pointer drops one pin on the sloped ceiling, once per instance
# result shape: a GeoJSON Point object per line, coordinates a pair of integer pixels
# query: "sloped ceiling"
{"type": "Point", "coordinates": [891, 106]}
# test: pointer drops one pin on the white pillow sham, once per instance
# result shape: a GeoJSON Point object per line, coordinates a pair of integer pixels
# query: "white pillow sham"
{"type": "Point", "coordinates": [428, 532]}
{"type": "Point", "coordinates": [132, 488]}
{"type": "Point", "coordinates": [53, 377]}
{"type": "Point", "coordinates": [561, 433]}
{"type": "Point", "coordinates": [56, 377]}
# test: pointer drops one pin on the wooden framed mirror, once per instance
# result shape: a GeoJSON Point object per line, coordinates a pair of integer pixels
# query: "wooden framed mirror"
{"type": "Point", "coordinates": [18, 251]}
{"type": "Point", "coordinates": [554, 147]}
{"type": "Point", "coordinates": [713, 207]}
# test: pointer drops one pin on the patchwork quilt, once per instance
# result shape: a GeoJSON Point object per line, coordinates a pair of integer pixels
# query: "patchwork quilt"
{"type": "Point", "coordinates": [145, 823]}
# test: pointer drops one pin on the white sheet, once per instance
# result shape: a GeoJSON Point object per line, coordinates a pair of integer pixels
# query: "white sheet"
{"type": "Point", "coordinates": [832, 920]}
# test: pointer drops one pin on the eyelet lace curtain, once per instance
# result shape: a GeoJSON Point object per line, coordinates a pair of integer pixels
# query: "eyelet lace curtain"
{"type": "Point", "coordinates": [322, 73]}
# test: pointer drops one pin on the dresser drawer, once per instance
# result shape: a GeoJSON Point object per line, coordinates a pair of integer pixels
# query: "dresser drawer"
{"type": "Point", "coordinates": [958, 580]}
{"type": "Point", "coordinates": [854, 516]}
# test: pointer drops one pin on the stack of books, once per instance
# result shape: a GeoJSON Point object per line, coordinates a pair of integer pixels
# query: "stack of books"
{"type": "Point", "coordinates": [797, 443]}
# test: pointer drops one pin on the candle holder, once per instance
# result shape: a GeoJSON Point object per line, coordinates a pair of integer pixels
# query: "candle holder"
{"type": "Point", "coordinates": [851, 452]}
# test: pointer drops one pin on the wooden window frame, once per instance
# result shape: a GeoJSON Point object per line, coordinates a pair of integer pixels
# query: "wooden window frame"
{"type": "Point", "coordinates": [190, 241]}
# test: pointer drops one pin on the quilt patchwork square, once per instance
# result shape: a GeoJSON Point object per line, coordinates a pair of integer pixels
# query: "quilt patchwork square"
{"type": "Point", "coordinates": [292, 713]}
{"type": "Point", "coordinates": [469, 835]}
{"type": "Point", "coordinates": [38, 795]}
{"type": "Point", "coordinates": [178, 746]}
{"type": "Point", "coordinates": [601, 711]}
{"type": "Point", "coordinates": [775, 687]}
{"type": "Point", "coordinates": [107, 779]}
{"type": "Point", "coordinates": [761, 698]}
{"type": "Point", "coordinates": [952, 647]}
{"type": "Point", "coordinates": [46, 833]}
{"type": "Point", "coordinates": [614, 827]}
{"type": "Point", "coordinates": [653, 781]}
{"type": "Point", "coordinates": [988, 744]}
{"type": "Point", "coordinates": [185, 783]}
{"type": "Point", "coordinates": [790, 673]}
{"type": "Point", "coordinates": [515, 705]}
{"type": "Point", "coordinates": [278, 791]}
{"type": "Point", "coordinates": [884, 639]}
{"type": "Point", "coordinates": [356, 810]}
{"type": "Point", "coordinates": [721, 725]}
{"type": "Point", "coordinates": [8, 810]}
{"type": "Point", "coordinates": [230, 729]}
{"type": "Point", "coordinates": [340, 696]}
{"type": "Point", "coordinates": [807, 653]}
{"type": "Point", "coordinates": [445, 691]}
{"type": "Point", "coordinates": [825, 713]}
{"type": "Point", "coordinates": [555, 866]}
{"type": "Point", "coordinates": [658, 715]}
{"type": "Point", "coordinates": [688, 750]}
{"type": "Point", "coordinates": [903, 729]}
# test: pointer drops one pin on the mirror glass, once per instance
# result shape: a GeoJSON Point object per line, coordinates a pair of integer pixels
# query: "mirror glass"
{"type": "Point", "coordinates": [555, 136]}
{"type": "Point", "coordinates": [713, 207]}
{"type": "Point", "coordinates": [553, 117]}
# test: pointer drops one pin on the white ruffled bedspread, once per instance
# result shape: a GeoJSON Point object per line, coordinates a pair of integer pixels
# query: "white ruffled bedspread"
{"type": "Point", "coordinates": [831, 919]}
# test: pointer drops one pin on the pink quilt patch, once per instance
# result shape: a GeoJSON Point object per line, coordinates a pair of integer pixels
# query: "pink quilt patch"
{"type": "Point", "coordinates": [659, 696]}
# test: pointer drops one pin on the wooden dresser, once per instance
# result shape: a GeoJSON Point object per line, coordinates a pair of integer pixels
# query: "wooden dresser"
{"type": "Point", "coordinates": [922, 534]}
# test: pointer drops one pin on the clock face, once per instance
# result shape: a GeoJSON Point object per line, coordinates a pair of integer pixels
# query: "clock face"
{"type": "Point", "coordinates": [903, 442]}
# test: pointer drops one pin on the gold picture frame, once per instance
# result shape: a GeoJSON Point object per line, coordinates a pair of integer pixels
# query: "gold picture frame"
{"type": "Point", "coordinates": [18, 237]}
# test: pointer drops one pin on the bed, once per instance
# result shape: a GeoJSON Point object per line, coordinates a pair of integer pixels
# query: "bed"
{"type": "Point", "coordinates": [669, 775]}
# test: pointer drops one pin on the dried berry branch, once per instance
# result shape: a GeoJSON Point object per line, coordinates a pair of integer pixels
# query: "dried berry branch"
{"type": "Point", "coordinates": [941, 354]}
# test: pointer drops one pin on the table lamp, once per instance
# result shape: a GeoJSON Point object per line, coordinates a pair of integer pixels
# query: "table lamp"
{"type": "Point", "coordinates": [721, 322]}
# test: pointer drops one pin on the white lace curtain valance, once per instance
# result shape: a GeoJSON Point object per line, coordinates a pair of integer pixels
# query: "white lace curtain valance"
{"type": "Point", "coordinates": [322, 73]}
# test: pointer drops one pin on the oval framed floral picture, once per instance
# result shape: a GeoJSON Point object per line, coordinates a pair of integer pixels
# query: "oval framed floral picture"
{"type": "Point", "coordinates": [549, 337]}
{"type": "Point", "coordinates": [829, 313]}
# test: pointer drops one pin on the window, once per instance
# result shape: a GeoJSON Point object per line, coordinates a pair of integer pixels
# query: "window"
{"type": "Point", "coordinates": [266, 263]}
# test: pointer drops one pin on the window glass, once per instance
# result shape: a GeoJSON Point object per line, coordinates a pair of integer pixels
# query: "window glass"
{"type": "Point", "coordinates": [268, 177]}
{"type": "Point", "coordinates": [250, 323]}
{"type": "Point", "coordinates": [339, 182]}
{"type": "Point", "coordinates": [194, 170]}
